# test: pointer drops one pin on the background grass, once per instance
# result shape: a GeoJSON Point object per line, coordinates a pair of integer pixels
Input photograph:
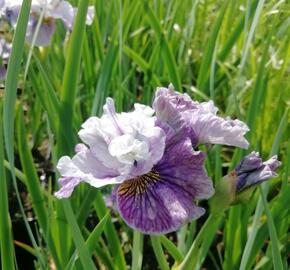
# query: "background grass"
{"type": "Point", "coordinates": [234, 52]}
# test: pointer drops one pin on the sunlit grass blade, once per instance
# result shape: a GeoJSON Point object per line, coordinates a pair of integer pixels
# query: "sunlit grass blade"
{"type": "Point", "coordinates": [231, 41]}
{"type": "Point", "coordinates": [166, 51]}
{"type": "Point", "coordinates": [206, 62]}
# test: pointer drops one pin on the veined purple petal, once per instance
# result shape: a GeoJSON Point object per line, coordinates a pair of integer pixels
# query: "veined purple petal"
{"type": "Point", "coordinates": [161, 201]}
{"type": "Point", "coordinates": [252, 171]}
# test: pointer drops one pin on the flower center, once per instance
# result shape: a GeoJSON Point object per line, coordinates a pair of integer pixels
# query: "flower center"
{"type": "Point", "coordinates": [138, 184]}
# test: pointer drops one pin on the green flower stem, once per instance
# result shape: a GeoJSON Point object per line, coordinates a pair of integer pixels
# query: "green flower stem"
{"type": "Point", "coordinates": [190, 260]}
{"type": "Point", "coordinates": [137, 252]}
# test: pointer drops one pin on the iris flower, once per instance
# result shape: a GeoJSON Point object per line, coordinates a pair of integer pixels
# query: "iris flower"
{"type": "Point", "coordinates": [152, 156]}
{"type": "Point", "coordinates": [51, 10]}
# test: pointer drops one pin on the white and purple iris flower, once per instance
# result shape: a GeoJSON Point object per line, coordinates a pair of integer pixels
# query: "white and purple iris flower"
{"type": "Point", "coordinates": [50, 10]}
{"type": "Point", "coordinates": [253, 171]}
{"type": "Point", "coordinates": [151, 156]}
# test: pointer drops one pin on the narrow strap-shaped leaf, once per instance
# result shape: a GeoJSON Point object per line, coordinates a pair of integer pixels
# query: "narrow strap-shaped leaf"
{"type": "Point", "coordinates": [159, 254]}
{"type": "Point", "coordinates": [172, 249]}
{"type": "Point", "coordinates": [168, 56]}
{"type": "Point", "coordinates": [276, 255]}
{"type": "Point", "coordinates": [137, 252]}
{"type": "Point", "coordinates": [10, 100]}
{"type": "Point", "coordinates": [70, 80]}
{"type": "Point", "coordinates": [209, 51]}
{"type": "Point", "coordinates": [33, 183]}
{"type": "Point", "coordinates": [92, 240]}
{"type": "Point", "coordinates": [7, 249]}
{"type": "Point", "coordinates": [12, 80]}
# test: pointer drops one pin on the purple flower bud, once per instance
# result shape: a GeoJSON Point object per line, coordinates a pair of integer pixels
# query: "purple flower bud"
{"type": "Point", "coordinates": [252, 171]}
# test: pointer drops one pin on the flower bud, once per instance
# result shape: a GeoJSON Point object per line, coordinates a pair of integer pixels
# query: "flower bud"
{"type": "Point", "coordinates": [238, 185]}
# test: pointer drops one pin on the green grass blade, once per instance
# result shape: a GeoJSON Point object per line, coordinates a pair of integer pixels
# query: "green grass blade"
{"type": "Point", "coordinates": [259, 209]}
{"type": "Point", "coordinates": [104, 79]}
{"type": "Point", "coordinates": [78, 239]}
{"type": "Point", "coordinates": [209, 52]}
{"type": "Point", "coordinates": [191, 259]}
{"type": "Point", "coordinates": [33, 184]}
{"type": "Point", "coordinates": [276, 256]}
{"type": "Point", "coordinates": [159, 254]}
{"type": "Point", "coordinates": [70, 80]}
{"type": "Point", "coordinates": [110, 232]}
{"type": "Point", "coordinates": [6, 244]}
{"type": "Point", "coordinates": [172, 249]}
{"type": "Point", "coordinates": [166, 50]}
{"type": "Point", "coordinates": [92, 240]}
{"type": "Point", "coordinates": [9, 106]}
{"type": "Point", "coordinates": [231, 41]}
{"type": "Point", "coordinates": [12, 79]}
